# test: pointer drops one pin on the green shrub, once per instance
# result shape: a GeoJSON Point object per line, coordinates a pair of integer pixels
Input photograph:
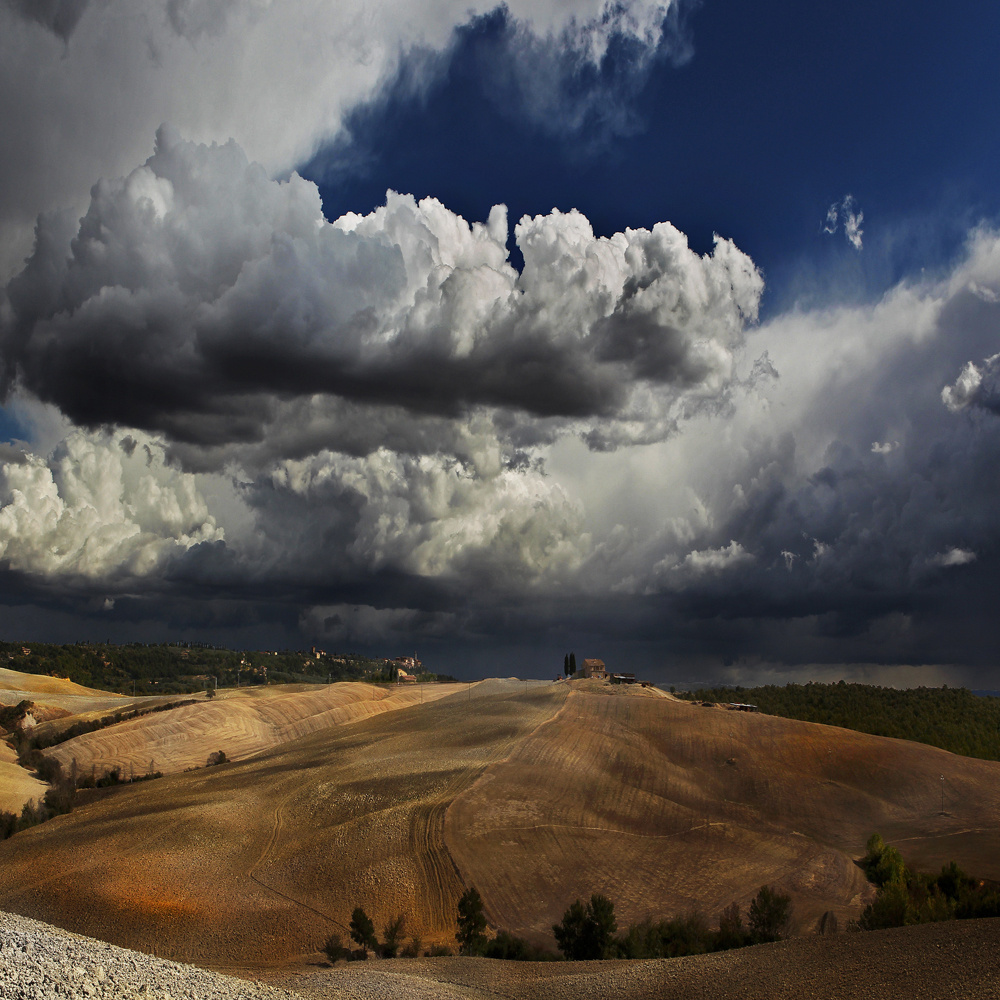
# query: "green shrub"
{"type": "Point", "coordinates": [732, 933]}
{"type": "Point", "coordinates": [392, 934]}
{"type": "Point", "coordinates": [414, 947]}
{"type": "Point", "coordinates": [362, 931]}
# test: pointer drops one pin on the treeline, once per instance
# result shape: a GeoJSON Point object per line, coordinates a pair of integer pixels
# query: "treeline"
{"type": "Point", "coordinates": [905, 896]}
{"type": "Point", "coordinates": [168, 668]}
{"type": "Point", "coordinates": [587, 932]}
{"type": "Point", "coordinates": [954, 719]}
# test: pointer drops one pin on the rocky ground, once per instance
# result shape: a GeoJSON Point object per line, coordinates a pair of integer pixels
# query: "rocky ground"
{"type": "Point", "coordinates": [39, 962]}
{"type": "Point", "coordinates": [933, 962]}
{"type": "Point", "coordinates": [959, 959]}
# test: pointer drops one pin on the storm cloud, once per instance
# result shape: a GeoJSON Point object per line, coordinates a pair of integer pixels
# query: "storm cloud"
{"type": "Point", "coordinates": [231, 416]}
{"type": "Point", "coordinates": [201, 300]}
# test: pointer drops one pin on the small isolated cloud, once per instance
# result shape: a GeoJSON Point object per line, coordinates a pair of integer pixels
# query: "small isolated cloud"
{"type": "Point", "coordinates": [820, 549]}
{"type": "Point", "coordinates": [953, 557]}
{"type": "Point", "coordinates": [716, 560]}
{"type": "Point", "coordinates": [884, 447]}
{"type": "Point", "coordinates": [977, 386]}
{"type": "Point", "coordinates": [846, 212]}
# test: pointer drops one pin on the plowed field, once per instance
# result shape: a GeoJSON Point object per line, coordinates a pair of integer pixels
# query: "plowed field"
{"type": "Point", "coordinates": [53, 696]}
{"type": "Point", "coordinates": [16, 784]}
{"type": "Point", "coordinates": [260, 860]}
{"type": "Point", "coordinates": [535, 795]}
{"type": "Point", "coordinates": [240, 722]}
{"type": "Point", "coordinates": [666, 806]}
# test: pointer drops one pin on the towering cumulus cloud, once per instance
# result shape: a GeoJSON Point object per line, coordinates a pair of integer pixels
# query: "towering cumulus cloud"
{"type": "Point", "coordinates": [201, 300]}
{"type": "Point", "coordinates": [98, 512]}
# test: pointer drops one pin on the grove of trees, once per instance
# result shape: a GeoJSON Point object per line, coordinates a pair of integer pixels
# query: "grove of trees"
{"type": "Point", "coordinates": [954, 719]}
{"type": "Point", "coordinates": [905, 896]}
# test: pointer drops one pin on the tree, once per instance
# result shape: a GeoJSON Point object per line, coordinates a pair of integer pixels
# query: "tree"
{"type": "Point", "coordinates": [572, 664]}
{"type": "Point", "coordinates": [392, 935]}
{"type": "Point", "coordinates": [585, 932]}
{"type": "Point", "coordinates": [770, 915]}
{"type": "Point", "coordinates": [570, 933]}
{"type": "Point", "coordinates": [471, 933]}
{"type": "Point", "coordinates": [566, 664]}
{"type": "Point", "coordinates": [362, 930]}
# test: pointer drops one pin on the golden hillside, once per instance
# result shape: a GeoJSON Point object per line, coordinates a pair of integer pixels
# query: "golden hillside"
{"type": "Point", "coordinates": [534, 794]}
{"type": "Point", "coordinates": [241, 721]}
{"type": "Point", "coordinates": [53, 697]}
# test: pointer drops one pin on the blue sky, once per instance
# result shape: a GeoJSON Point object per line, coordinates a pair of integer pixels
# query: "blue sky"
{"type": "Point", "coordinates": [775, 114]}
{"type": "Point", "coordinates": [253, 399]}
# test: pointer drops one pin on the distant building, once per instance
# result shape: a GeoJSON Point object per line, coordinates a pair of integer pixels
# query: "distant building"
{"type": "Point", "coordinates": [742, 706]}
{"type": "Point", "coordinates": [595, 669]}
{"type": "Point", "coordinates": [408, 663]}
{"type": "Point", "coordinates": [403, 677]}
{"type": "Point", "coordinates": [623, 678]}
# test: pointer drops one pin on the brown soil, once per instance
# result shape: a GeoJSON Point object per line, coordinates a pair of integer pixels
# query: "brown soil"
{"type": "Point", "coordinates": [239, 721]}
{"type": "Point", "coordinates": [534, 795]}
{"type": "Point", "coordinates": [17, 785]}
{"type": "Point", "coordinates": [665, 807]}
{"type": "Point", "coordinates": [958, 959]}
{"type": "Point", "coordinates": [54, 697]}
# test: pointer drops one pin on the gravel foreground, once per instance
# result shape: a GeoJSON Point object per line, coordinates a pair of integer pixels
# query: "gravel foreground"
{"type": "Point", "coordinates": [41, 962]}
{"type": "Point", "coordinates": [932, 962]}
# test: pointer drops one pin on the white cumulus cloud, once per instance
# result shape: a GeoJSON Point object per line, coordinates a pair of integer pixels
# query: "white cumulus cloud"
{"type": "Point", "coordinates": [277, 77]}
{"type": "Point", "coordinates": [95, 510]}
{"type": "Point", "coordinates": [199, 299]}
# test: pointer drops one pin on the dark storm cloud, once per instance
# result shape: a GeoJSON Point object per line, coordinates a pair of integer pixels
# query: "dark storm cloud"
{"type": "Point", "coordinates": [199, 299]}
{"type": "Point", "coordinates": [858, 520]}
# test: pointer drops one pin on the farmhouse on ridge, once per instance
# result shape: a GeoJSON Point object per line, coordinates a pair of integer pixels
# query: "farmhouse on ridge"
{"type": "Point", "coordinates": [596, 669]}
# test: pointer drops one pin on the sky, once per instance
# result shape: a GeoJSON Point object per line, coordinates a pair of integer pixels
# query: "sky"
{"type": "Point", "coordinates": [665, 333]}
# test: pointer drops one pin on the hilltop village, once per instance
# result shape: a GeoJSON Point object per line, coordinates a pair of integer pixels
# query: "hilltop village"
{"type": "Point", "coordinates": [186, 668]}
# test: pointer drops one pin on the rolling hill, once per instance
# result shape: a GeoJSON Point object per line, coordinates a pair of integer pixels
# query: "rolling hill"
{"type": "Point", "coordinates": [54, 697]}
{"type": "Point", "coordinates": [536, 794]}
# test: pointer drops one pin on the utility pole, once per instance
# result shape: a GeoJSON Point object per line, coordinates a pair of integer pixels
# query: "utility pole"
{"type": "Point", "coordinates": [942, 794]}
